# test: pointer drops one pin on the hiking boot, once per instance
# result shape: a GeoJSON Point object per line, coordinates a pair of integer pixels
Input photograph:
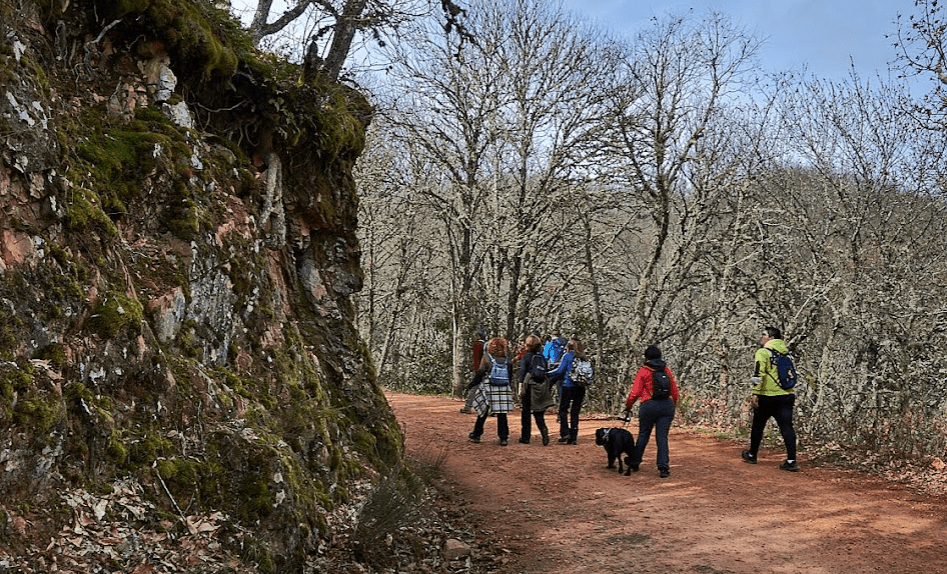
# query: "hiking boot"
{"type": "Point", "coordinates": [545, 438]}
{"type": "Point", "coordinates": [748, 457]}
{"type": "Point", "coordinates": [563, 439]}
{"type": "Point", "coordinates": [790, 466]}
{"type": "Point", "coordinates": [473, 438]}
{"type": "Point", "coordinates": [465, 410]}
{"type": "Point", "coordinates": [665, 473]}
{"type": "Point", "coordinates": [524, 441]}
{"type": "Point", "coordinates": [503, 442]}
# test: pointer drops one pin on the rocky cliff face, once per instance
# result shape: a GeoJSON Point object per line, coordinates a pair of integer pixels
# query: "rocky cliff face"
{"type": "Point", "coordinates": [178, 363]}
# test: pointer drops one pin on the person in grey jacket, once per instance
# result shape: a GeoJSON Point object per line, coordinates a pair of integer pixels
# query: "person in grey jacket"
{"type": "Point", "coordinates": [533, 361]}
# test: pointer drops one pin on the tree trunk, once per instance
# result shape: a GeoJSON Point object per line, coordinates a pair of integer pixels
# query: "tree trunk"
{"type": "Point", "coordinates": [345, 30]}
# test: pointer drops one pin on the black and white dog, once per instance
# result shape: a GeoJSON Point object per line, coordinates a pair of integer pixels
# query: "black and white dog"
{"type": "Point", "coordinates": [616, 442]}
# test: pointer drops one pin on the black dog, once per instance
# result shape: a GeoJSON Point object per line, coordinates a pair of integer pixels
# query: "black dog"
{"type": "Point", "coordinates": [616, 442]}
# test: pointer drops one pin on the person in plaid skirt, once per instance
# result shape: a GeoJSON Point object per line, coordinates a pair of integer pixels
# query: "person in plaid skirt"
{"type": "Point", "coordinates": [493, 394]}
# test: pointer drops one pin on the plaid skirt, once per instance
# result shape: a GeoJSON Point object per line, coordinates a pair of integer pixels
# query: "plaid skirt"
{"type": "Point", "coordinates": [492, 399]}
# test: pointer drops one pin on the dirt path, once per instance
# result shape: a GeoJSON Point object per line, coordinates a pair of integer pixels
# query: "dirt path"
{"type": "Point", "coordinates": [558, 509]}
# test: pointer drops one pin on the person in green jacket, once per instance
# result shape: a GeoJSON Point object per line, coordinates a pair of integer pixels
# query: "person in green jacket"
{"type": "Point", "coordinates": [770, 400]}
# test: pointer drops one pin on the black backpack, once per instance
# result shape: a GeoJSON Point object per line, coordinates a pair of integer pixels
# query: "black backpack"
{"type": "Point", "coordinates": [538, 367]}
{"type": "Point", "coordinates": [661, 383]}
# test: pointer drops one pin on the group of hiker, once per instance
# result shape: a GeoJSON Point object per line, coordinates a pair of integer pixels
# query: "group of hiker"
{"type": "Point", "coordinates": [555, 374]}
{"type": "Point", "coordinates": [560, 362]}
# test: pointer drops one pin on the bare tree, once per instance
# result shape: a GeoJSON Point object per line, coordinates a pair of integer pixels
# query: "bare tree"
{"type": "Point", "coordinates": [556, 68]}
{"type": "Point", "coordinates": [450, 117]}
{"type": "Point", "coordinates": [501, 121]}
{"type": "Point", "coordinates": [859, 222]}
{"type": "Point", "coordinates": [674, 156]}
{"type": "Point", "coordinates": [920, 45]}
{"type": "Point", "coordinates": [397, 249]}
{"type": "Point", "coordinates": [326, 29]}
{"type": "Point", "coordinates": [663, 195]}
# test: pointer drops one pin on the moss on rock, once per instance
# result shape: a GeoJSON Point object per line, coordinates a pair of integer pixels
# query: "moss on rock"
{"type": "Point", "coordinates": [276, 432]}
{"type": "Point", "coordinates": [115, 313]}
{"type": "Point", "coordinates": [38, 411]}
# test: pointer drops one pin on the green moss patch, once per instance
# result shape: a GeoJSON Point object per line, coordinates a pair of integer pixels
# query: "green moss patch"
{"type": "Point", "coordinates": [117, 162]}
{"type": "Point", "coordinates": [149, 448]}
{"type": "Point", "coordinates": [115, 313]}
{"type": "Point", "coordinates": [38, 412]}
{"type": "Point", "coordinates": [84, 213]}
{"type": "Point", "coordinates": [197, 34]}
{"type": "Point", "coordinates": [53, 353]}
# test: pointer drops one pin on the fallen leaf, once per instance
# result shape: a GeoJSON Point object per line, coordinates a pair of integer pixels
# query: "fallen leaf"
{"type": "Point", "coordinates": [100, 509]}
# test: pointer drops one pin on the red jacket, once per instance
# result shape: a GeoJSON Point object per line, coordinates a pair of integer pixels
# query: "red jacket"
{"type": "Point", "coordinates": [644, 384]}
{"type": "Point", "coordinates": [477, 353]}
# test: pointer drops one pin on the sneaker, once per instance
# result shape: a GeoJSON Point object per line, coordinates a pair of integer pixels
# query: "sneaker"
{"type": "Point", "coordinates": [545, 438]}
{"type": "Point", "coordinates": [473, 438]}
{"type": "Point", "coordinates": [665, 473]}
{"type": "Point", "coordinates": [503, 442]}
{"type": "Point", "coordinates": [524, 441]}
{"type": "Point", "coordinates": [563, 439]}
{"type": "Point", "coordinates": [790, 466]}
{"type": "Point", "coordinates": [748, 457]}
{"type": "Point", "coordinates": [465, 410]}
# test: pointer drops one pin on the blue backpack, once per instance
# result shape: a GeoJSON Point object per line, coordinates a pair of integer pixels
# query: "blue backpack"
{"type": "Point", "coordinates": [786, 375]}
{"type": "Point", "coordinates": [499, 373]}
{"type": "Point", "coordinates": [555, 350]}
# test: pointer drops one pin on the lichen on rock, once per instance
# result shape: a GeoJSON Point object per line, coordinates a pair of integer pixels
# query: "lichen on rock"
{"type": "Point", "coordinates": [176, 333]}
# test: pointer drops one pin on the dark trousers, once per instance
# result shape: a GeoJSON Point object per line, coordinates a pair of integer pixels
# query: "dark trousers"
{"type": "Point", "coordinates": [539, 416]}
{"type": "Point", "coordinates": [779, 408]}
{"type": "Point", "coordinates": [656, 415]}
{"type": "Point", "coordinates": [570, 403]}
{"type": "Point", "coordinates": [503, 428]}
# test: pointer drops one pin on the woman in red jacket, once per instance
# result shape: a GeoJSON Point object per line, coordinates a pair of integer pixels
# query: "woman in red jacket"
{"type": "Point", "coordinates": [655, 386]}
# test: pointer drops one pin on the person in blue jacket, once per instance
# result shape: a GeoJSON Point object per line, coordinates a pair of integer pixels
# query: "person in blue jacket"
{"type": "Point", "coordinates": [554, 348]}
{"type": "Point", "coordinates": [572, 395]}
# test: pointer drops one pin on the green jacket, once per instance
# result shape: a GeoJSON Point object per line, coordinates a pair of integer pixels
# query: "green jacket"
{"type": "Point", "coordinates": [766, 371]}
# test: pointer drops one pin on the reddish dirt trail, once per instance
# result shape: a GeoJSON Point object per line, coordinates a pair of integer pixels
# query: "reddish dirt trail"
{"type": "Point", "coordinates": [558, 509]}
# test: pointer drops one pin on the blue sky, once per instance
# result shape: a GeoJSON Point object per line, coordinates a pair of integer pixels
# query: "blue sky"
{"type": "Point", "coordinates": [825, 36]}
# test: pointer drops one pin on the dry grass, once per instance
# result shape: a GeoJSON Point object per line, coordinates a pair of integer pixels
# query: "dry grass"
{"type": "Point", "coordinates": [397, 501]}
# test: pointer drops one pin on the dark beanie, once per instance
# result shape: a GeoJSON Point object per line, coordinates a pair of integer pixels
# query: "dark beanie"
{"type": "Point", "coordinates": [652, 352]}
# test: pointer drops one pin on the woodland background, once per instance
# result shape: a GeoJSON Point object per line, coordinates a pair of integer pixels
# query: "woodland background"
{"type": "Point", "coordinates": [662, 189]}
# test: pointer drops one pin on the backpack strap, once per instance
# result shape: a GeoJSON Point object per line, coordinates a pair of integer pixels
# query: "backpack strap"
{"type": "Point", "coordinates": [772, 373]}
